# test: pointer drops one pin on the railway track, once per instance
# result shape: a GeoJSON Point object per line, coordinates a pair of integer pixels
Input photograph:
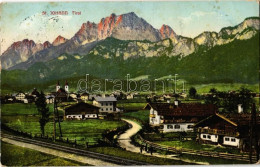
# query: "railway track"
{"type": "Point", "coordinates": [90, 154]}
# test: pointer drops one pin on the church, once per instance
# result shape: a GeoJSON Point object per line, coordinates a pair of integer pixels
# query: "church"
{"type": "Point", "coordinates": [62, 94]}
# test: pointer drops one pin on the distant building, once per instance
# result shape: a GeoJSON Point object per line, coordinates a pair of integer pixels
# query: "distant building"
{"type": "Point", "coordinates": [19, 96]}
{"type": "Point", "coordinates": [81, 111]}
{"type": "Point", "coordinates": [178, 117]}
{"type": "Point", "coordinates": [49, 99]}
{"type": "Point", "coordinates": [84, 96]}
{"type": "Point", "coordinates": [106, 104]}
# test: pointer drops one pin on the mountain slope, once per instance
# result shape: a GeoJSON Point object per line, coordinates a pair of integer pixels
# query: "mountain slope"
{"type": "Point", "coordinates": [125, 27]}
{"type": "Point", "coordinates": [235, 62]}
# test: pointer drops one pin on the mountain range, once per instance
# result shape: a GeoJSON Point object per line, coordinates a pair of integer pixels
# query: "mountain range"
{"type": "Point", "coordinates": [143, 40]}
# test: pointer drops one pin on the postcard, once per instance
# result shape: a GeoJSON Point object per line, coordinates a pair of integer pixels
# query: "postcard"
{"type": "Point", "coordinates": [108, 83]}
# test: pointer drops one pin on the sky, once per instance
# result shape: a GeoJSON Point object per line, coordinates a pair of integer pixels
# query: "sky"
{"type": "Point", "coordinates": [187, 18]}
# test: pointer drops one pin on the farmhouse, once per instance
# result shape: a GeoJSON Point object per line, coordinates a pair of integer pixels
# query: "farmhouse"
{"type": "Point", "coordinates": [177, 117]}
{"type": "Point", "coordinates": [228, 130]}
{"type": "Point", "coordinates": [81, 111]}
{"type": "Point", "coordinates": [19, 96]}
{"type": "Point", "coordinates": [106, 104]}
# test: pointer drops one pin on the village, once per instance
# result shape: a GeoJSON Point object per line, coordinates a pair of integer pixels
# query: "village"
{"type": "Point", "coordinates": [166, 121]}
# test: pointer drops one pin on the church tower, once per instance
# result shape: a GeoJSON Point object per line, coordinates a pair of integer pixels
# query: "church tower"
{"type": "Point", "coordinates": [57, 86]}
{"type": "Point", "coordinates": [66, 87]}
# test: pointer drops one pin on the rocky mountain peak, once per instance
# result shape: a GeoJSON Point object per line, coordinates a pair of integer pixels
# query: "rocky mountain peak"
{"type": "Point", "coordinates": [167, 32]}
{"type": "Point", "coordinates": [46, 44]}
{"type": "Point", "coordinates": [24, 43]}
{"type": "Point", "coordinates": [59, 40]}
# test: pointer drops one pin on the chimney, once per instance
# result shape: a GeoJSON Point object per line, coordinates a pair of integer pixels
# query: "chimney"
{"type": "Point", "coordinates": [240, 108]}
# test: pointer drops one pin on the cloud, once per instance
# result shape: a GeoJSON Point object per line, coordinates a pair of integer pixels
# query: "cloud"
{"type": "Point", "coordinates": [194, 15]}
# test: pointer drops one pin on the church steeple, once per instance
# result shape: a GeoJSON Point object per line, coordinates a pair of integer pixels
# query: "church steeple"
{"type": "Point", "coordinates": [57, 86]}
{"type": "Point", "coordinates": [66, 86]}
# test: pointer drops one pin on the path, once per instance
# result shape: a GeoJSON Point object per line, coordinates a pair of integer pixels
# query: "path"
{"type": "Point", "coordinates": [74, 157]}
{"type": "Point", "coordinates": [124, 141]}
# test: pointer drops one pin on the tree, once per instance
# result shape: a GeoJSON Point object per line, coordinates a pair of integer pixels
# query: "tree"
{"type": "Point", "coordinates": [192, 92]}
{"type": "Point", "coordinates": [43, 111]}
{"type": "Point", "coordinates": [212, 97]}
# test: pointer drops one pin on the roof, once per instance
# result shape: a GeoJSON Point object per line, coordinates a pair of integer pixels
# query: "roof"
{"type": "Point", "coordinates": [183, 109]}
{"type": "Point", "coordinates": [81, 108]}
{"type": "Point", "coordinates": [100, 99]}
{"type": "Point", "coordinates": [61, 90]}
{"type": "Point", "coordinates": [233, 119]}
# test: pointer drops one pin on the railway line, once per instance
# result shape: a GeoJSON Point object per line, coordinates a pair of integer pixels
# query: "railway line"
{"type": "Point", "coordinates": [77, 151]}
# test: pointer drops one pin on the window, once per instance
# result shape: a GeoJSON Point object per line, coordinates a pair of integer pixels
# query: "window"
{"type": "Point", "coordinates": [101, 104]}
{"type": "Point", "coordinates": [107, 109]}
{"type": "Point", "coordinates": [169, 127]}
{"type": "Point", "coordinates": [233, 139]}
{"type": "Point", "coordinates": [111, 109]}
{"type": "Point", "coordinates": [189, 126]}
{"type": "Point", "coordinates": [106, 104]}
{"type": "Point", "coordinates": [111, 104]}
{"type": "Point", "coordinates": [226, 139]}
{"type": "Point", "coordinates": [209, 137]}
{"type": "Point", "coordinates": [204, 136]}
{"type": "Point", "coordinates": [101, 109]}
{"type": "Point", "coordinates": [177, 126]}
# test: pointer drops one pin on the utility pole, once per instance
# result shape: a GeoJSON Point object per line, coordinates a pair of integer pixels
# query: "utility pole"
{"type": "Point", "coordinates": [253, 135]}
{"type": "Point", "coordinates": [175, 79]}
{"type": "Point", "coordinates": [54, 121]}
{"type": "Point", "coordinates": [183, 90]}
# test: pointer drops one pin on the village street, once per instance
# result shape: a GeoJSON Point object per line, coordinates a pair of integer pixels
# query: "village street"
{"type": "Point", "coordinates": [124, 141]}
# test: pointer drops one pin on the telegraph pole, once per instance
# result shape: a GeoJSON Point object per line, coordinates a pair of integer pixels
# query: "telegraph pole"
{"type": "Point", "coordinates": [175, 77]}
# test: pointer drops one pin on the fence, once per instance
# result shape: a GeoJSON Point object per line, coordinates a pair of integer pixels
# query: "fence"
{"type": "Point", "coordinates": [241, 157]}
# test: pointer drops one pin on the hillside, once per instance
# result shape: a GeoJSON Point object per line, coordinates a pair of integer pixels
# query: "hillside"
{"type": "Point", "coordinates": [235, 62]}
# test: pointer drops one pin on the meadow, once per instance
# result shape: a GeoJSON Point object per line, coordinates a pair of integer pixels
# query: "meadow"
{"type": "Point", "coordinates": [12, 155]}
{"type": "Point", "coordinates": [24, 117]}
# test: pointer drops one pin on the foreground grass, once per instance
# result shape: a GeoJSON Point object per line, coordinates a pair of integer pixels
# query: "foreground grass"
{"type": "Point", "coordinates": [138, 157]}
{"type": "Point", "coordinates": [12, 155]}
{"type": "Point", "coordinates": [141, 114]}
{"type": "Point", "coordinates": [24, 117]}
{"type": "Point", "coordinates": [211, 160]}
{"type": "Point", "coordinates": [196, 146]}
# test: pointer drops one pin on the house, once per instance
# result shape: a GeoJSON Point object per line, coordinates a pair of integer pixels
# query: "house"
{"type": "Point", "coordinates": [19, 96]}
{"type": "Point", "coordinates": [73, 96]}
{"type": "Point", "coordinates": [106, 104]}
{"type": "Point", "coordinates": [49, 99]}
{"type": "Point", "coordinates": [178, 117]}
{"type": "Point", "coordinates": [81, 111]}
{"type": "Point", "coordinates": [84, 96]}
{"type": "Point", "coordinates": [227, 130]}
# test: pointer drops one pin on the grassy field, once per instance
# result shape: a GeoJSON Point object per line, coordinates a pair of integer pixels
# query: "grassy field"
{"type": "Point", "coordinates": [204, 88]}
{"type": "Point", "coordinates": [24, 117]}
{"type": "Point", "coordinates": [141, 114]}
{"type": "Point", "coordinates": [135, 156]}
{"type": "Point", "coordinates": [196, 146]}
{"type": "Point", "coordinates": [132, 106]}
{"type": "Point", "coordinates": [12, 155]}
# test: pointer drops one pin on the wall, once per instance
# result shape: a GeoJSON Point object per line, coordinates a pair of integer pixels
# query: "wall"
{"type": "Point", "coordinates": [104, 106]}
{"type": "Point", "coordinates": [183, 127]}
{"type": "Point", "coordinates": [156, 120]}
{"type": "Point", "coordinates": [209, 137]}
{"type": "Point", "coordinates": [231, 141]}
